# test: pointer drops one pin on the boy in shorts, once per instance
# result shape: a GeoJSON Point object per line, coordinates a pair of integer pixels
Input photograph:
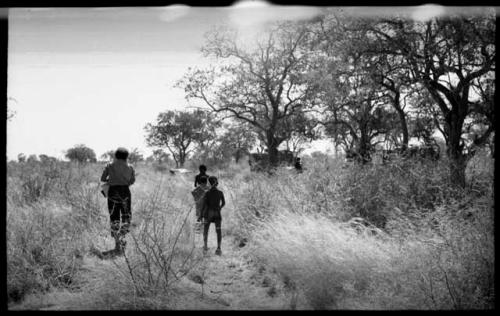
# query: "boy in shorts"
{"type": "Point", "coordinates": [213, 203]}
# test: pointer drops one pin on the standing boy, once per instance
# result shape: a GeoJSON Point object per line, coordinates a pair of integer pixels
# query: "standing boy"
{"type": "Point", "coordinates": [203, 173]}
{"type": "Point", "coordinates": [213, 203]}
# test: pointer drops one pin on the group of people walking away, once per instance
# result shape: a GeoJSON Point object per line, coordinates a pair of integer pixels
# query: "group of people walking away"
{"type": "Point", "coordinates": [118, 176]}
{"type": "Point", "coordinates": [209, 201]}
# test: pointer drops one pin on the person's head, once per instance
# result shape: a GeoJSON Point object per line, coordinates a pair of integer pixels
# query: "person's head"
{"type": "Point", "coordinates": [203, 180]}
{"type": "Point", "coordinates": [213, 181]}
{"type": "Point", "coordinates": [297, 159]}
{"type": "Point", "coordinates": [121, 153]}
{"type": "Point", "coordinates": [203, 168]}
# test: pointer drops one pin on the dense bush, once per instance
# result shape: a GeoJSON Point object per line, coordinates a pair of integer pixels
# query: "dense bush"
{"type": "Point", "coordinates": [51, 206]}
{"type": "Point", "coordinates": [44, 249]}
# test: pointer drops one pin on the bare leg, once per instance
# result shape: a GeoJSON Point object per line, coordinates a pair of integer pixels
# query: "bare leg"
{"type": "Point", "coordinates": [205, 235]}
{"type": "Point", "coordinates": [219, 237]}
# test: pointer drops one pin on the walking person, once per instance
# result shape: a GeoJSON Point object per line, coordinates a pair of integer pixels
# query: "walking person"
{"type": "Point", "coordinates": [198, 194]}
{"type": "Point", "coordinates": [212, 205]}
{"type": "Point", "coordinates": [119, 175]}
{"type": "Point", "coordinates": [203, 173]}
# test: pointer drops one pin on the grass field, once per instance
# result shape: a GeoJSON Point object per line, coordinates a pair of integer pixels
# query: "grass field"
{"type": "Point", "coordinates": [289, 239]}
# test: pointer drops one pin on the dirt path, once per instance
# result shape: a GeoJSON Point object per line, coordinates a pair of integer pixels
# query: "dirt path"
{"type": "Point", "coordinates": [231, 281]}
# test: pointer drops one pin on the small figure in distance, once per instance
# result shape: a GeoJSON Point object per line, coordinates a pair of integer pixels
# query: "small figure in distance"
{"type": "Point", "coordinates": [298, 165]}
{"type": "Point", "coordinates": [198, 194]}
{"type": "Point", "coordinates": [119, 175]}
{"type": "Point", "coordinates": [212, 205]}
{"type": "Point", "coordinates": [203, 172]}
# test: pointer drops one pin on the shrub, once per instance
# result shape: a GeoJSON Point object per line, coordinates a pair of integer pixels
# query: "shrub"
{"type": "Point", "coordinates": [159, 252]}
{"type": "Point", "coordinates": [32, 181]}
{"type": "Point", "coordinates": [335, 267]}
{"type": "Point", "coordinates": [326, 260]}
{"type": "Point", "coordinates": [44, 249]}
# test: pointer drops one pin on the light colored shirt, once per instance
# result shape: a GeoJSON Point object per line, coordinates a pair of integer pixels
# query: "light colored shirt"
{"type": "Point", "coordinates": [119, 172]}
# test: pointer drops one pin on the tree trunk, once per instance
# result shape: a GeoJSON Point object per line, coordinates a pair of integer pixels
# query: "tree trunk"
{"type": "Point", "coordinates": [182, 159]}
{"type": "Point", "coordinates": [272, 148]}
{"type": "Point", "coordinates": [404, 128]}
{"type": "Point", "coordinates": [273, 155]}
{"type": "Point", "coordinates": [237, 155]}
{"type": "Point", "coordinates": [363, 146]}
{"type": "Point", "coordinates": [458, 161]}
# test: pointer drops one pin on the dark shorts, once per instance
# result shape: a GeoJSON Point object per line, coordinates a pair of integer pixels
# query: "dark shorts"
{"type": "Point", "coordinates": [213, 216]}
{"type": "Point", "coordinates": [216, 221]}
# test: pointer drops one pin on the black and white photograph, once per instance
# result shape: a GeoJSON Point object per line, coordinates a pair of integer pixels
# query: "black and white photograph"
{"type": "Point", "coordinates": [251, 156]}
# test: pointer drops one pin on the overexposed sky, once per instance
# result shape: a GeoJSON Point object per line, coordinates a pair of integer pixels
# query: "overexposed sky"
{"type": "Point", "coordinates": [97, 76]}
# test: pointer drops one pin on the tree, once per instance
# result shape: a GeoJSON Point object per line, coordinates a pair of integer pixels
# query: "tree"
{"type": "Point", "coordinates": [395, 84]}
{"type": "Point", "coordinates": [46, 159]}
{"type": "Point", "coordinates": [81, 154]}
{"type": "Point", "coordinates": [108, 156]}
{"type": "Point", "coordinates": [355, 113]}
{"type": "Point", "coordinates": [135, 156]}
{"type": "Point", "coordinates": [32, 158]}
{"type": "Point", "coordinates": [237, 140]}
{"type": "Point", "coordinates": [451, 57]}
{"type": "Point", "coordinates": [340, 38]}
{"type": "Point", "coordinates": [229, 140]}
{"type": "Point", "coordinates": [266, 87]}
{"type": "Point", "coordinates": [179, 132]}
{"type": "Point", "coordinates": [21, 157]}
{"type": "Point", "coordinates": [160, 156]}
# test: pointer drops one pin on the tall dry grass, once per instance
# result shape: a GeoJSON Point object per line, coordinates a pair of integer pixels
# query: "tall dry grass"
{"type": "Point", "coordinates": [56, 216]}
{"type": "Point", "coordinates": [434, 248]}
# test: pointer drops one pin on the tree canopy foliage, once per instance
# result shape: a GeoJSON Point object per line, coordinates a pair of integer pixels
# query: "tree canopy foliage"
{"type": "Point", "coordinates": [443, 67]}
{"type": "Point", "coordinates": [365, 82]}
{"type": "Point", "coordinates": [81, 153]}
{"type": "Point", "coordinates": [180, 132]}
{"type": "Point", "coordinates": [266, 87]}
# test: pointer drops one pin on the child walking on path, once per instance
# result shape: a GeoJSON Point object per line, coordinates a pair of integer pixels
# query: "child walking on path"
{"type": "Point", "coordinates": [203, 173]}
{"type": "Point", "coordinates": [198, 194]}
{"type": "Point", "coordinates": [213, 202]}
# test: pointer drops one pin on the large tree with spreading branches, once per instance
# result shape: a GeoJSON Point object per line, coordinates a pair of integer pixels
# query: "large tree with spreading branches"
{"type": "Point", "coordinates": [266, 87]}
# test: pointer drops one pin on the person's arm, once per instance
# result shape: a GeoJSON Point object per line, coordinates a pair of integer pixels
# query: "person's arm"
{"type": "Point", "coordinates": [105, 174]}
{"type": "Point", "coordinates": [195, 181]}
{"type": "Point", "coordinates": [222, 200]}
{"type": "Point", "coordinates": [132, 178]}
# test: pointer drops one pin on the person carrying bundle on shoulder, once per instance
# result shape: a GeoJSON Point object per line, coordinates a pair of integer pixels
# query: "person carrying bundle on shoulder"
{"type": "Point", "coordinates": [198, 194]}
